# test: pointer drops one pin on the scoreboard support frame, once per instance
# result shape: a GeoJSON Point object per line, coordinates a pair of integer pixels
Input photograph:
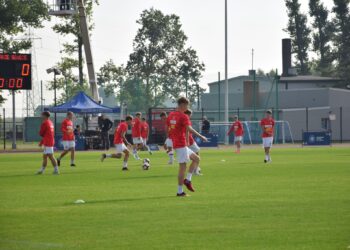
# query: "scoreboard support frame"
{"type": "Point", "coordinates": [14, 130]}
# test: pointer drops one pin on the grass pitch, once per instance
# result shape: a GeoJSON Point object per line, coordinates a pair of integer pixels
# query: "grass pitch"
{"type": "Point", "coordinates": [300, 201]}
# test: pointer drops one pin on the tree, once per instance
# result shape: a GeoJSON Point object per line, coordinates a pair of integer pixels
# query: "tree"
{"type": "Point", "coordinates": [70, 25]}
{"type": "Point", "coordinates": [15, 17]}
{"type": "Point", "coordinates": [161, 61]}
{"type": "Point", "coordinates": [300, 34]}
{"type": "Point", "coordinates": [322, 37]}
{"type": "Point", "coordinates": [342, 38]}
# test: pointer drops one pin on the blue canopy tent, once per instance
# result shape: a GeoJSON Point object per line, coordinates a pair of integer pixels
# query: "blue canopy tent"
{"type": "Point", "coordinates": [82, 104]}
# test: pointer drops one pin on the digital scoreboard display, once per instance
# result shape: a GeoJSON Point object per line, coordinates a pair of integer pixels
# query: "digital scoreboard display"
{"type": "Point", "coordinates": [15, 71]}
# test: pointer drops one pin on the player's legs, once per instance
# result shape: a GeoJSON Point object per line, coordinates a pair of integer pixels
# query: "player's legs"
{"type": "Point", "coordinates": [54, 163]}
{"type": "Point", "coordinates": [137, 144]}
{"type": "Point", "coordinates": [126, 158]}
{"type": "Point", "coordinates": [195, 148]}
{"type": "Point", "coordinates": [180, 179]}
{"type": "Point", "coordinates": [170, 151]}
{"type": "Point", "coordinates": [72, 157]}
{"type": "Point", "coordinates": [267, 142]}
{"type": "Point", "coordinates": [238, 144]}
{"type": "Point", "coordinates": [146, 146]}
{"type": "Point", "coordinates": [43, 165]}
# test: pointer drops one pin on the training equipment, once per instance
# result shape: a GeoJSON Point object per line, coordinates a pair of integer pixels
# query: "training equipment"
{"type": "Point", "coordinates": [79, 202]}
{"type": "Point", "coordinates": [146, 164]}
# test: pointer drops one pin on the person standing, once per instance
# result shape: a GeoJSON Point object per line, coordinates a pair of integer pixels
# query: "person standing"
{"type": "Point", "coordinates": [205, 125]}
{"type": "Point", "coordinates": [237, 129]}
{"type": "Point", "coordinates": [119, 142]}
{"type": "Point", "coordinates": [192, 143]}
{"type": "Point", "coordinates": [136, 135]}
{"type": "Point", "coordinates": [267, 124]}
{"type": "Point", "coordinates": [179, 126]}
{"type": "Point", "coordinates": [47, 132]}
{"type": "Point", "coordinates": [168, 144]}
{"type": "Point", "coordinates": [68, 139]}
{"type": "Point", "coordinates": [105, 125]}
{"type": "Point", "coordinates": [145, 134]}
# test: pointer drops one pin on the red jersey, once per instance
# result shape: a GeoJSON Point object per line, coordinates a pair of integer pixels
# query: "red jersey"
{"type": "Point", "coordinates": [67, 130]}
{"type": "Point", "coordinates": [119, 131]}
{"type": "Point", "coordinates": [237, 128]}
{"type": "Point", "coordinates": [144, 130]}
{"type": "Point", "coordinates": [47, 132]}
{"type": "Point", "coordinates": [177, 123]}
{"type": "Point", "coordinates": [267, 126]}
{"type": "Point", "coordinates": [136, 128]}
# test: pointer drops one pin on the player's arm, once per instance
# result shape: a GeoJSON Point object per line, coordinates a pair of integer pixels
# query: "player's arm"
{"type": "Point", "coordinates": [193, 131]}
{"type": "Point", "coordinates": [230, 130]}
{"type": "Point", "coordinates": [64, 128]}
{"type": "Point", "coordinates": [124, 138]}
{"type": "Point", "coordinates": [42, 134]}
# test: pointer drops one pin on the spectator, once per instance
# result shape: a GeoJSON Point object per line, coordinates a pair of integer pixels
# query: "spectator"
{"type": "Point", "coordinates": [205, 125]}
{"type": "Point", "coordinates": [105, 125]}
{"type": "Point", "coordinates": [77, 130]}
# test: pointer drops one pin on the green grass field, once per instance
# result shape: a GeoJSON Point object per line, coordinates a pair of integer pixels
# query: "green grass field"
{"type": "Point", "coordinates": [300, 201]}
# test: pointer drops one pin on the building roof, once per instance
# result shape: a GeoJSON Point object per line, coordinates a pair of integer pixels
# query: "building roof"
{"type": "Point", "coordinates": [308, 79]}
{"type": "Point", "coordinates": [258, 77]}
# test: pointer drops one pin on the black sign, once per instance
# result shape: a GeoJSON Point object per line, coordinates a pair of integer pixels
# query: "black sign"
{"type": "Point", "coordinates": [15, 71]}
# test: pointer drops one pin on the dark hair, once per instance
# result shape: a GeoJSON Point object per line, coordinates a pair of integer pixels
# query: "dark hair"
{"type": "Point", "coordinates": [143, 119]}
{"type": "Point", "coordinates": [128, 118]}
{"type": "Point", "coordinates": [183, 100]}
{"type": "Point", "coordinates": [138, 113]}
{"type": "Point", "coordinates": [46, 114]}
{"type": "Point", "coordinates": [78, 126]}
{"type": "Point", "coordinates": [269, 111]}
{"type": "Point", "coordinates": [188, 112]}
{"type": "Point", "coordinates": [162, 114]}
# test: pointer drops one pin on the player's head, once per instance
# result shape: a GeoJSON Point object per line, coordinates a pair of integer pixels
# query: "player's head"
{"type": "Point", "coordinates": [182, 104]}
{"type": "Point", "coordinates": [143, 119]}
{"type": "Point", "coordinates": [70, 115]}
{"type": "Point", "coordinates": [235, 118]}
{"type": "Point", "coordinates": [138, 115]}
{"type": "Point", "coordinates": [128, 119]}
{"type": "Point", "coordinates": [163, 116]}
{"type": "Point", "coordinates": [188, 112]}
{"type": "Point", "coordinates": [269, 113]}
{"type": "Point", "coordinates": [45, 115]}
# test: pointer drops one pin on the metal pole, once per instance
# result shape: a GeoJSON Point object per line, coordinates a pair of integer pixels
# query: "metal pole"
{"type": "Point", "coordinates": [219, 94]}
{"type": "Point", "coordinates": [186, 89]}
{"type": "Point", "coordinates": [55, 99]}
{"type": "Point", "coordinates": [4, 126]}
{"type": "Point", "coordinates": [198, 102]}
{"type": "Point", "coordinates": [41, 94]}
{"type": "Point", "coordinates": [277, 104]}
{"type": "Point", "coordinates": [226, 73]}
{"type": "Point", "coordinates": [254, 95]}
{"type": "Point", "coordinates": [307, 119]}
{"type": "Point", "coordinates": [341, 124]}
{"type": "Point", "coordinates": [14, 146]}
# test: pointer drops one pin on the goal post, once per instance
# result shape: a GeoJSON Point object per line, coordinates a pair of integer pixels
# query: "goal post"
{"type": "Point", "coordinates": [252, 132]}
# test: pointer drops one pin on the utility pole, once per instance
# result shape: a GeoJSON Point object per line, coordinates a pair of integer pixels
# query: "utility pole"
{"type": "Point", "coordinates": [14, 132]}
{"type": "Point", "coordinates": [226, 73]}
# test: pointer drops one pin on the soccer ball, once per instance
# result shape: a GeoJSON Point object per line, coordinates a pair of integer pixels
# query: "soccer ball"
{"type": "Point", "coordinates": [146, 164]}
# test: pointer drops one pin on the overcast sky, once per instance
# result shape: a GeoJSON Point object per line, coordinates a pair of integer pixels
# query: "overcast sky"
{"type": "Point", "coordinates": [254, 24]}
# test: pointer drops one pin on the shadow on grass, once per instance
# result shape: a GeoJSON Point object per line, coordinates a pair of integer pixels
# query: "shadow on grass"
{"type": "Point", "coordinates": [121, 200]}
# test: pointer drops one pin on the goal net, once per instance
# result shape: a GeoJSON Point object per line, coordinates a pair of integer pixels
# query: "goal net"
{"type": "Point", "coordinates": [252, 132]}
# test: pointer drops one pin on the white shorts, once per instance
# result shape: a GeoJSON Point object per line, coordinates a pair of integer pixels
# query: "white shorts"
{"type": "Point", "coordinates": [137, 140]}
{"type": "Point", "coordinates": [120, 148]}
{"type": "Point", "coordinates": [238, 138]}
{"type": "Point", "coordinates": [194, 147]}
{"type": "Point", "coordinates": [48, 150]}
{"type": "Point", "coordinates": [169, 143]}
{"type": "Point", "coordinates": [267, 142]}
{"type": "Point", "coordinates": [183, 154]}
{"type": "Point", "coordinates": [144, 140]}
{"type": "Point", "coordinates": [68, 144]}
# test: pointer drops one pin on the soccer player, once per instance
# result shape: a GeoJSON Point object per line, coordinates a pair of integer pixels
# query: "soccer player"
{"type": "Point", "coordinates": [48, 141]}
{"type": "Point", "coordinates": [192, 143]}
{"type": "Point", "coordinates": [168, 144]}
{"type": "Point", "coordinates": [145, 134]}
{"type": "Point", "coordinates": [267, 124]}
{"type": "Point", "coordinates": [237, 128]}
{"type": "Point", "coordinates": [119, 142]}
{"type": "Point", "coordinates": [179, 127]}
{"type": "Point", "coordinates": [136, 135]}
{"type": "Point", "coordinates": [68, 139]}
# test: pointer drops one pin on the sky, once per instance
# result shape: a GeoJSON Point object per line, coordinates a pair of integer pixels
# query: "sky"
{"type": "Point", "coordinates": [252, 24]}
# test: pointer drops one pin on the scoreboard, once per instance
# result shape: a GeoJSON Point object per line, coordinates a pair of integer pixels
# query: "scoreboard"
{"type": "Point", "coordinates": [15, 71]}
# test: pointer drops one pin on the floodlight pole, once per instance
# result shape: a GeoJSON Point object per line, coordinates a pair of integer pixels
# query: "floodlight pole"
{"type": "Point", "coordinates": [55, 100]}
{"type": "Point", "coordinates": [226, 73]}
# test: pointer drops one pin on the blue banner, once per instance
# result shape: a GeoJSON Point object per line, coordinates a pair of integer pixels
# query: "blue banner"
{"type": "Point", "coordinates": [317, 138]}
{"type": "Point", "coordinates": [212, 140]}
{"type": "Point", "coordinates": [79, 143]}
